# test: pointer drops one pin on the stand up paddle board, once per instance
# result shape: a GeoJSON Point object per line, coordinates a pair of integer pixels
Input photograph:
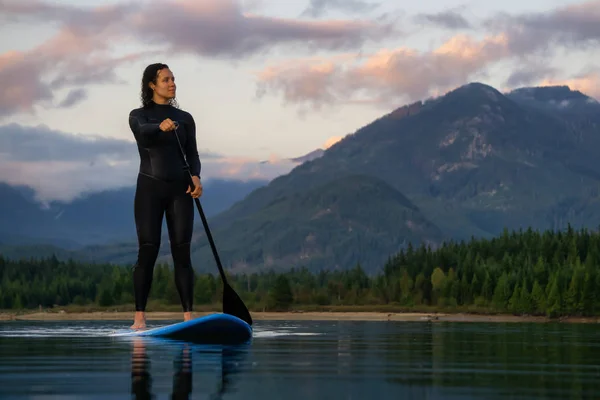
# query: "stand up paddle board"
{"type": "Point", "coordinates": [213, 328]}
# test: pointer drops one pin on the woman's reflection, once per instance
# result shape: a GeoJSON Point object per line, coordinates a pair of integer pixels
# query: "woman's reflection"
{"type": "Point", "coordinates": [182, 378]}
{"type": "Point", "coordinates": [141, 381]}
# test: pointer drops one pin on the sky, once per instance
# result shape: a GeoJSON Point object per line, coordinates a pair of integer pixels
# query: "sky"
{"type": "Point", "coordinates": [263, 79]}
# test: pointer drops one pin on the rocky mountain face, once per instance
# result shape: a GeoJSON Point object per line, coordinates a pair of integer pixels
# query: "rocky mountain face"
{"type": "Point", "coordinates": [470, 159]}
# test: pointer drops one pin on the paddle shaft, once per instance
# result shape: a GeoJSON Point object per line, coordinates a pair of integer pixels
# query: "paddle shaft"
{"type": "Point", "coordinates": [209, 236]}
{"type": "Point", "coordinates": [201, 212]}
{"type": "Point", "coordinates": [232, 303]}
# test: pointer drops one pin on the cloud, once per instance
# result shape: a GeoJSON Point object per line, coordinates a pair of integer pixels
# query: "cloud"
{"type": "Point", "coordinates": [21, 83]}
{"type": "Point", "coordinates": [331, 141]}
{"type": "Point", "coordinates": [388, 75]}
{"type": "Point", "coordinates": [317, 8]}
{"type": "Point", "coordinates": [41, 144]}
{"type": "Point", "coordinates": [573, 26]}
{"type": "Point", "coordinates": [67, 60]}
{"type": "Point", "coordinates": [393, 75]}
{"type": "Point", "coordinates": [529, 74]}
{"type": "Point", "coordinates": [61, 166]}
{"type": "Point", "coordinates": [249, 168]}
{"type": "Point", "coordinates": [87, 37]}
{"type": "Point", "coordinates": [588, 83]}
{"type": "Point", "coordinates": [75, 96]}
{"type": "Point", "coordinates": [64, 181]}
{"type": "Point", "coordinates": [450, 19]}
{"type": "Point", "coordinates": [220, 29]}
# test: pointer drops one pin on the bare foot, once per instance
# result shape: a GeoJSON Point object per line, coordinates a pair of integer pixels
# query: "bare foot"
{"type": "Point", "coordinates": [187, 316]}
{"type": "Point", "coordinates": [139, 322]}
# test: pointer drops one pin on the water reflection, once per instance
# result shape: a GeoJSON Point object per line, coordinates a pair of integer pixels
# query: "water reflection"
{"type": "Point", "coordinates": [231, 358]}
{"type": "Point", "coordinates": [306, 360]}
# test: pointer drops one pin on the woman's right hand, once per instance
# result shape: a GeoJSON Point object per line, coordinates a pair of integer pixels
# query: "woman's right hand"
{"type": "Point", "coordinates": [167, 125]}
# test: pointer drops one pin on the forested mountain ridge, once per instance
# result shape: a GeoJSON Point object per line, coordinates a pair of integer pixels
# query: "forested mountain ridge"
{"type": "Point", "coordinates": [474, 161]}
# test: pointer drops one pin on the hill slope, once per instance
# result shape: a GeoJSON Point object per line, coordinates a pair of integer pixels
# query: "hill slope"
{"type": "Point", "coordinates": [352, 219]}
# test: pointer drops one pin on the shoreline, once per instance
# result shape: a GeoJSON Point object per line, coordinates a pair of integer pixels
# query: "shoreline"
{"type": "Point", "coordinates": [296, 316]}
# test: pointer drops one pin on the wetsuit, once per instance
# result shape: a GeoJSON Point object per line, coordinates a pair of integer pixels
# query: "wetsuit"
{"type": "Point", "coordinates": [161, 189]}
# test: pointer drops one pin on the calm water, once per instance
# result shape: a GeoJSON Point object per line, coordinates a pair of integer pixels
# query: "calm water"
{"type": "Point", "coordinates": [305, 360]}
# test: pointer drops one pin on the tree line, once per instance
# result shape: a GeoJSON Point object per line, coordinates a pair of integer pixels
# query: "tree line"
{"type": "Point", "coordinates": [552, 273]}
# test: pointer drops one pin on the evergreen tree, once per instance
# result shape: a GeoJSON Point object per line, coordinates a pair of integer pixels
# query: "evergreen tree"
{"type": "Point", "coordinates": [281, 294]}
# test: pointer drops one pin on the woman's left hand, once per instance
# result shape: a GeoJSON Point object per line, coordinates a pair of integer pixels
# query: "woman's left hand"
{"type": "Point", "coordinates": [198, 189]}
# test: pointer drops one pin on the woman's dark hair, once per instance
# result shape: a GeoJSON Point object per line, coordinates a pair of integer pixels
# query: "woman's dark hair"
{"type": "Point", "coordinates": [150, 75]}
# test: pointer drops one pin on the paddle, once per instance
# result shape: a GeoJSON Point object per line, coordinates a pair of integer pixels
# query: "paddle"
{"type": "Point", "coordinates": [232, 303]}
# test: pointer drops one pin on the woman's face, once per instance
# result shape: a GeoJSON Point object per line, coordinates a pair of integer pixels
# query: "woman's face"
{"type": "Point", "coordinates": [165, 84]}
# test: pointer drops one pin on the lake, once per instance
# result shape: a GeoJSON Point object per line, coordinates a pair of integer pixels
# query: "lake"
{"type": "Point", "coordinates": [305, 360]}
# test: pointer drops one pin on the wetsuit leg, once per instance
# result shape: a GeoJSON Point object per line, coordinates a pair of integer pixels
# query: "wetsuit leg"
{"type": "Point", "coordinates": [180, 222]}
{"type": "Point", "coordinates": [149, 208]}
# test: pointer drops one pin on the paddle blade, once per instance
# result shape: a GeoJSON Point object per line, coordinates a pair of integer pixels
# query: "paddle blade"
{"type": "Point", "coordinates": [233, 304]}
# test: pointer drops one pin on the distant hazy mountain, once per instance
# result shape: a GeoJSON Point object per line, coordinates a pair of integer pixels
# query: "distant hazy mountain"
{"type": "Point", "coordinates": [97, 218]}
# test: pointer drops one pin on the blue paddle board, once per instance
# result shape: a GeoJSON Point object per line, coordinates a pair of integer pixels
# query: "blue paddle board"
{"type": "Point", "coordinates": [213, 328]}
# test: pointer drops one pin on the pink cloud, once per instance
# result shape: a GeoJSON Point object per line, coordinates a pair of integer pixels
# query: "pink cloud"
{"type": "Point", "coordinates": [588, 84]}
{"type": "Point", "coordinates": [393, 75]}
{"type": "Point", "coordinates": [221, 28]}
{"type": "Point", "coordinates": [248, 168]}
{"type": "Point", "coordinates": [30, 78]}
{"type": "Point", "coordinates": [384, 76]}
{"type": "Point", "coordinates": [215, 28]}
{"type": "Point", "coordinates": [331, 141]}
{"type": "Point", "coordinates": [78, 54]}
{"type": "Point", "coordinates": [20, 73]}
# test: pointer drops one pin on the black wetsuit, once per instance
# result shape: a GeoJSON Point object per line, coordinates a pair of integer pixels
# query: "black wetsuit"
{"type": "Point", "coordinates": [161, 189]}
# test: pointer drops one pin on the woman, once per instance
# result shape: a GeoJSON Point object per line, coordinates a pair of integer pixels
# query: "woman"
{"type": "Point", "coordinates": [163, 186]}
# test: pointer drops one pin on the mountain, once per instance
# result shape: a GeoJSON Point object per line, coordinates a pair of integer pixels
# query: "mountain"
{"type": "Point", "coordinates": [557, 99]}
{"type": "Point", "coordinates": [96, 218]}
{"type": "Point", "coordinates": [23, 220]}
{"type": "Point", "coordinates": [475, 161]}
{"type": "Point", "coordinates": [324, 226]}
{"type": "Point", "coordinates": [469, 163]}
{"type": "Point", "coordinates": [315, 228]}
{"type": "Point", "coordinates": [313, 155]}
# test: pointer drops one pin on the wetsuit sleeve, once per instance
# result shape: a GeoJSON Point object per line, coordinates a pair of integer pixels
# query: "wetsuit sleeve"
{"type": "Point", "coordinates": [140, 126]}
{"type": "Point", "coordinates": [192, 155]}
